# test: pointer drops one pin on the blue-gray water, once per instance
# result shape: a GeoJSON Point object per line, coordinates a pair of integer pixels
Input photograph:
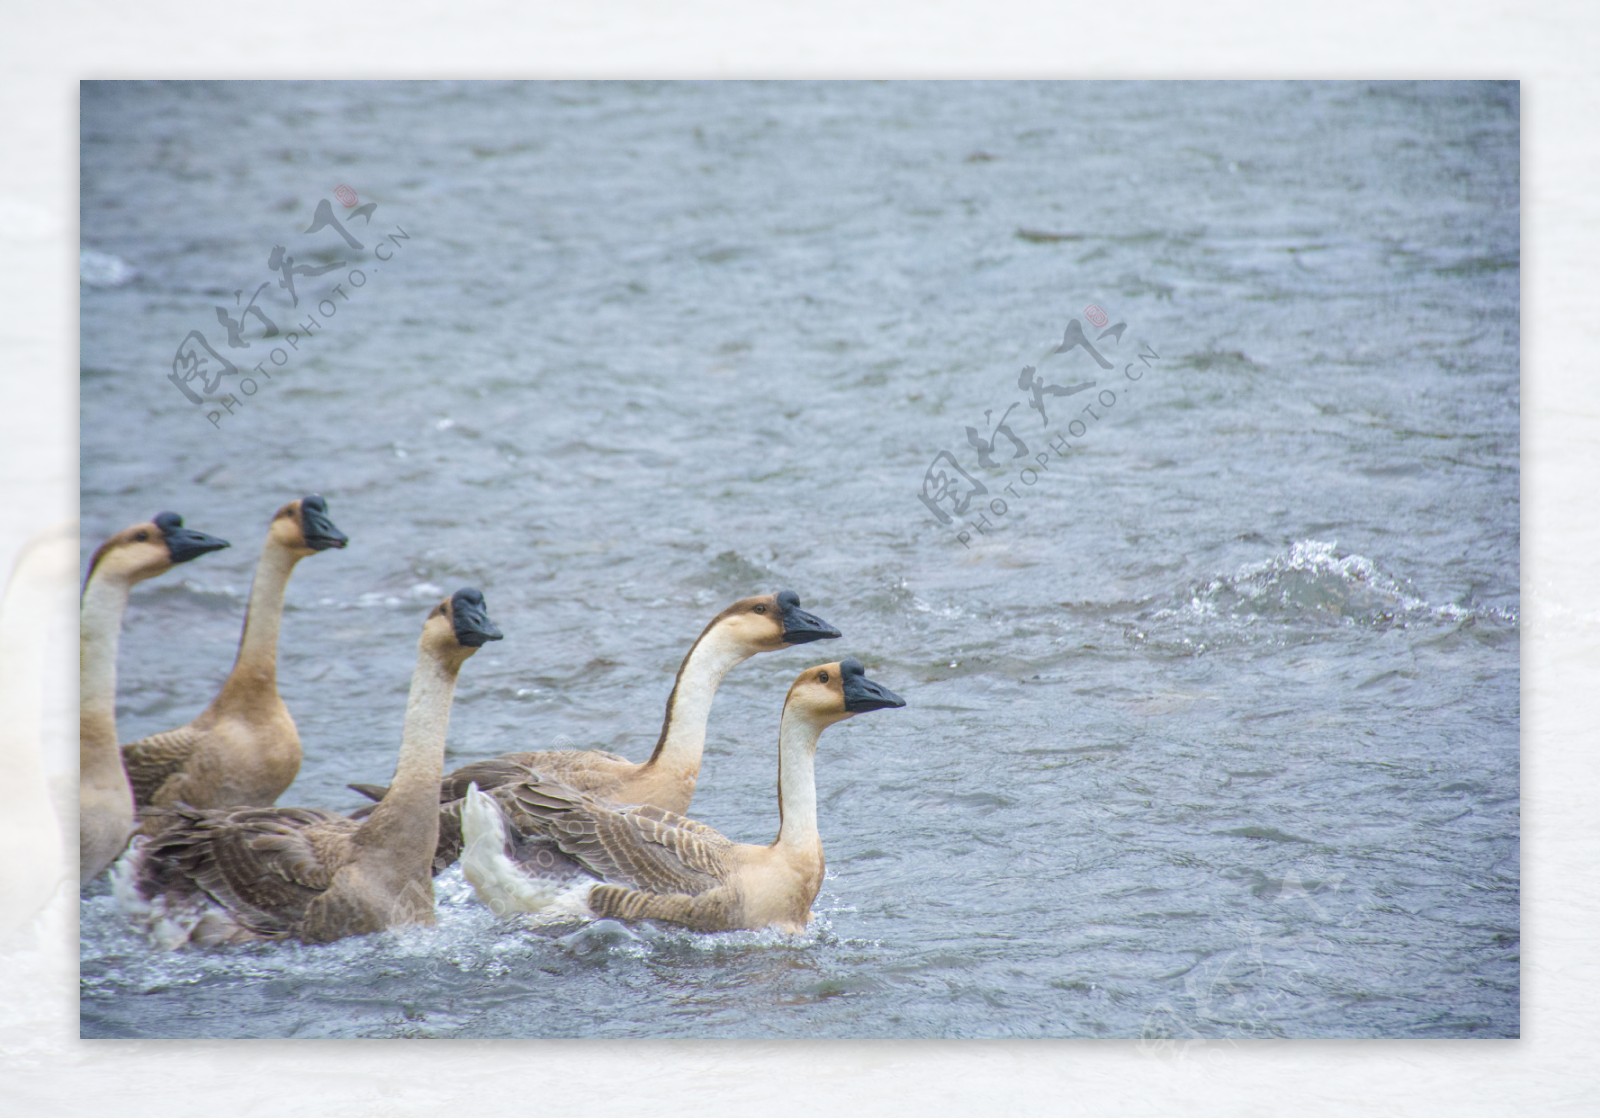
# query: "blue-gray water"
{"type": "Point", "coordinates": [1214, 733]}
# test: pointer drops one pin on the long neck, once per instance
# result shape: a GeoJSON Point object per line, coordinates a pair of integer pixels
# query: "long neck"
{"type": "Point", "coordinates": [683, 731]}
{"type": "Point", "coordinates": [405, 824]}
{"type": "Point", "coordinates": [257, 663]}
{"type": "Point", "coordinates": [99, 629]}
{"type": "Point", "coordinates": [797, 782]}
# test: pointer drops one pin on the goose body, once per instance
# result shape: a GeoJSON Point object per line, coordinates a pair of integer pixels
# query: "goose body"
{"type": "Point", "coordinates": [243, 749]}
{"type": "Point", "coordinates": [668, 777]}
{"type": "Point", "coordinates": [230, 876]}
{"type": "Point", "coordinates": [137, 553]}
{"type": "Point", "coordinates": [567, 850]}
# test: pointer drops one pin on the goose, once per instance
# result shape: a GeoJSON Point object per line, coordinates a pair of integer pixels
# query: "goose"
{"type": "Point", "coordinates": [636, 862]}
{"type": "Point", "coordinates": [230, 876]}
{"type": "Point", "coordinates": [137, 553]}
{"type": "Point", "coordinates": [667, 779]}
{"type": "Point", "coordinates": [242, 750]}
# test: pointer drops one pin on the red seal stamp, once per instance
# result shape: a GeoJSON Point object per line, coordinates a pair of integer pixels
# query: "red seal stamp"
{"type": "Point", "coordinates": [345, 195]}
{"type": "Point", "coordinates": [1092, 312]}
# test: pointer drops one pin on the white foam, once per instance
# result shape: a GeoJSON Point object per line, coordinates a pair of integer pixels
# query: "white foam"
{"type": "Point", "coordinates": [171, 923]}
{"type": "Point", "coordinates": [1261, 585]}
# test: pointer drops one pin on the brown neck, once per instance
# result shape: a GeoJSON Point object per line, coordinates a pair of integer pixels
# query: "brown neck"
{"type": "Point", "coordinates": [683, 731]}
{"type": "Point", "coordinates": [404, 827]}
{"type": "Point", "coordinates": [255, 669]}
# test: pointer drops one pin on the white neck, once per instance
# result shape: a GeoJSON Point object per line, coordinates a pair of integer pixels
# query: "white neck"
{"type": "Point", "coordinates": [683, 733]}
{"type": "Point", "coordinates": [99, 629]}
{"type": "Point", "coordinates": [257, 662]}
{"type": "Point", "coordinates": [405, 824]}
{"type": "Point", "coordinates": [797, 781]}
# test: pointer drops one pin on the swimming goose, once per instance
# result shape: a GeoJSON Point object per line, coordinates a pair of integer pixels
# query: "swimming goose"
{"type": "Point", "coordinates": [243, 749]}
{"type": "Point", "coordinates": [226, 877]}
{"type": "Point", "coordinates": [667, 779]}
{"type": "Point", "coordinates": [638, 862]}
{"type": "Point", "coordinates": [137, 553]}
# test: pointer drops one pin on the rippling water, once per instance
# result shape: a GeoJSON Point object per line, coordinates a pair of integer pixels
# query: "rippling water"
{"type": "Point", "coordinates": [1213, 733]}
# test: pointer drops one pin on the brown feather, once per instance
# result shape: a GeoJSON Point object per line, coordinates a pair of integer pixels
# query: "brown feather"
{"type": "Point", "coordinates": [151, 761]}
{"type": "Point", "coordinates": [637, 845]}
{"type": "Point", "coordinates": [265, 866]}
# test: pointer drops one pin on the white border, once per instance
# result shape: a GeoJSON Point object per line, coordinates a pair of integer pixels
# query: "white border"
{"type": "Point", "coordinates": [46, 48]}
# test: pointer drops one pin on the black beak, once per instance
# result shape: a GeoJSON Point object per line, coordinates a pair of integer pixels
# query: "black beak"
{"type": "Point", "coordinates": [471, 616]}
{"type": "Point", "coordinates": [185, 544]}
{"type": "Point", "coordinates": [861, 694]}
{"type": "Point", "coordinates": [800, 627]}
{"type": "Point", "coordinates": [315, 526]}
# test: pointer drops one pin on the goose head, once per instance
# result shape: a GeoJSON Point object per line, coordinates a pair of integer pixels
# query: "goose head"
{"type": "Point", "coordinates": [151, 548]}
{"type": "Point", "coordinates": [459, 626]}
{"type": "Point", "coordinates": [769, 622]}
{"type": "Point", "coordinates": [303, 527]}
{"type": "Point", "coordinates": [830, 693]}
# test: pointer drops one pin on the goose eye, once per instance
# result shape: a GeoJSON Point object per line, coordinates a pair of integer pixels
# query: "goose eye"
{"type": "Point", "coordinates": [761, 609]}
{"type": "Point", "coordinates": [141, 536]}
{"type": "Point", "coordinates": [822, 677]}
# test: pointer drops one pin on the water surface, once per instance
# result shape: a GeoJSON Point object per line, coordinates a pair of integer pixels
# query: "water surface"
{"type": "Point", "coordinates": [1213, 733]}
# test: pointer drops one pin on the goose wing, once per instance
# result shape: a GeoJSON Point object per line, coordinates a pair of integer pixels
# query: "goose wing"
{"type": "Point", "coordinates": [584, 770]}
{"type": "Point", "coordinates": [587, 770]}
{"type": "Point", "coordinates": [150, 761]}
{"type": "Point", "coordinates": [640, 846]}
{"type": "Point", "coordinates": [265, 866]}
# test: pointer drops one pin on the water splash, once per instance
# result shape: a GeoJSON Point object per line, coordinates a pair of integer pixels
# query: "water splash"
{"type": "Point", "coordinates": [1310, 586]}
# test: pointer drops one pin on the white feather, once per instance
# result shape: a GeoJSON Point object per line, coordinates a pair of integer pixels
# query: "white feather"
{"type": "Point", "coordinates": [496, 880]}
